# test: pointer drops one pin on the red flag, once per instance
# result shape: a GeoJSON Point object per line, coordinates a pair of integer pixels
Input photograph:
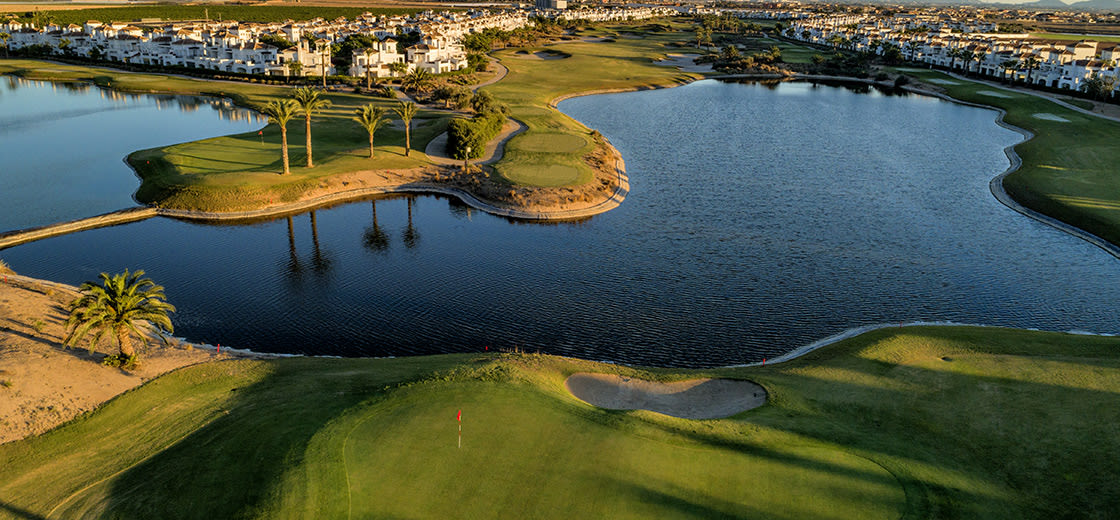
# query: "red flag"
{"type": "Point", "coordinates": [260, 132]}
{"type": "Point", "coordinates": [460, 417]}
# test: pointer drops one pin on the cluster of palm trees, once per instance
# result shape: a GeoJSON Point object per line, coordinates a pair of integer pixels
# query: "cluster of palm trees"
{"type": "Point", "coordinates": [307, 101]}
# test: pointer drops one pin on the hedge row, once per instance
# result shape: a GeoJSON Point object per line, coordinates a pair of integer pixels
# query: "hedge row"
{"type": "Point", "coordinates": [473, 133]}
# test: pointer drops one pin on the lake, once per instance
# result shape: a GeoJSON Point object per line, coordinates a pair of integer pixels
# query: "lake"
{"type": "Point", "coordinates": [64, 144]}
{"type": "Point", "coordinates": [760, 218]}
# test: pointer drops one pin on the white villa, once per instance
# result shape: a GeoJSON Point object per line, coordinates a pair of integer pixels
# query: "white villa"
{"type": "Point", "coordinates": [236, 47]}
{"type": "Point", "coordinates": [969, 45]}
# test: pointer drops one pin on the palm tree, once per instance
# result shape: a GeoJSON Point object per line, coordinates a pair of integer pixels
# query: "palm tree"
{"type": "Point", "coordinates": [4, 37]}
{"type": "Point", "coordinates": [371, 118]}
{"type": "Point", "coordinates": [295, 68]}
{"type": "Point", "coordinates": [119, 306]}
{"type": "Point", "coordinates": [325, 50]}
{"type": "Point", "coordinates": [417, 80]}
{"type": "Point", "coordinates": [280, 112]}
{"type": "Point", "coordinates": [966, 59]}
{"type": "Point", "coordinates": [912, 49]}
{"type": "Point", "coordinates": [1008, 65]}
{"type": "Point", "coordinates": [406, 110]}
{"type": "Point", "coordinates": [1030, 63]}
{"type": "Point", "coordinates": [368, 51]}
{"type": "Point", "coordinates": [954, 53]}
{"type": "Point", "coordinates": [310, 101]}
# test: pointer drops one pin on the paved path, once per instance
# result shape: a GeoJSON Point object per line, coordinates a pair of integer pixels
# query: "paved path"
{"type": "Point", "coordinates": [437, 148]}
{"type": "Point", "coordinates": [502, 71]}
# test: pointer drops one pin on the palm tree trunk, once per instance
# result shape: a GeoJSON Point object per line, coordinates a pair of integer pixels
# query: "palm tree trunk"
{"type": "Point", "coordinates": [284, 147]}
{"type": "Point", "coordinates": [307, 127]}
{"type": "Point", "coordinates": [371, 146]}
{"type": "Point", "coordinates": [125, 343]}
{"type": "Point", "coordinates": [407, 137]}
{"type": "Point", "coordinates": [367, 74]}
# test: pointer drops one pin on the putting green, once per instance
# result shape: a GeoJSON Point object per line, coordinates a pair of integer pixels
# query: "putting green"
{"type": "Point", "coordinates": [545, 142]}
{"type": "Point", "coordinates": [582, 467]}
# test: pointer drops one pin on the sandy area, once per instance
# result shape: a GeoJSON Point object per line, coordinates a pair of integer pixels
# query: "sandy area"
{"type": "Point", "coordinates": [684, 62]}
{"type": "Point", "coordinates": [1050, 117]}
{"type": "Point", "coordinates": [943, 81]}
{"type": "Point", "coordinates": [43, 384]}
{"type": "Point", "coordinates": [695, 399]}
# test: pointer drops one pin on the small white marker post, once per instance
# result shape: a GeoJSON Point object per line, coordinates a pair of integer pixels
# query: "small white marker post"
{"type": "Point", "coordinates": [460, 419]}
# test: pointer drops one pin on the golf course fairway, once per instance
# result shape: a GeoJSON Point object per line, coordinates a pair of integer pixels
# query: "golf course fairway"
{"type": "Point", "coordinates": [929, 422]}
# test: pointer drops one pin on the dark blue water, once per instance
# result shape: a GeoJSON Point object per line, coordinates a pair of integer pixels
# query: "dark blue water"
{"type": "Point", "coordinates": [63, 145]}
{"type": "Point", "coordinates": [760, 219]}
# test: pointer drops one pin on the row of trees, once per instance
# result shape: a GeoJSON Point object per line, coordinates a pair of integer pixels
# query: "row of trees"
{"type": "Point", "coordinates": [307, 101]}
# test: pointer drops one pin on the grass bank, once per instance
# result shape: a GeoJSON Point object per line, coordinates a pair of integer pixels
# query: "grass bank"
{"type": "Point", "coordinates": [552, 151]}
{"type": "Point", "coordinates": [1069, 167]}
{"type": "Point", "coordinates": [909, 422]}
{"type": "Point", "coordinates": [240, 171]}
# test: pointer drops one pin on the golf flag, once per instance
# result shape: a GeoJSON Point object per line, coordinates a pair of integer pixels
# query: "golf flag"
{"type": "Point", "coordinates": [460, 417]}
{"type": "Point", "coordinates": [260, 132]}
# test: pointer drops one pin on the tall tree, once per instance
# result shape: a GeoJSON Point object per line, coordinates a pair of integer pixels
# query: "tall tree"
{"type": "Point", "coordinates": [280, 113]}
{"type": "Point", "coordinates": [1030, 63]}
{"type": "Point", "coordinates": [368, 52]}
{"type": "Point", "coordinates": [295, 68]}
{"type": "Point", "coordinates": [119, 306]}
{"type": "Point", "coordinates": [370, 118]}
{"type": "Point", "coordinates": [310, 101]}
{"type": "Point", "coordinates": [4, 37]}
{"type": "Point", "coordinates": [1007, 66]}
{"type": "Point", "coordinates": [407, 110]}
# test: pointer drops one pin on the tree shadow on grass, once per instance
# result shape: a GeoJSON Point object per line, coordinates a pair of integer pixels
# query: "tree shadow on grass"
{"type": "Point", "coordinates": [232, 466]}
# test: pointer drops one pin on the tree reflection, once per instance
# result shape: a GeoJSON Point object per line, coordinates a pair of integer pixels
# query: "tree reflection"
{"type": "Point", "coordinates": [410, 236]}
{"type": "Point", "coordinates": [295, 269]}
{"type": "Point", "coordinates": [375, 239]}
{"type": "Point", "coordinates": [319, 262]}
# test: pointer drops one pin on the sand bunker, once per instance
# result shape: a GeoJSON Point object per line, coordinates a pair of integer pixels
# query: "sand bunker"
{"type": "Point", "coordinates": [543, 55]}
{"type": "Point", "coordinates": [695, 399]}
{"type": "Point", "coordinates": [684, 62]}
{"type": "Point", "coordinates": [992, 93]}
{"type": "Point", "coordinates": [1051, 117]}
{"type": "Point", "coordinates": [944, 81]}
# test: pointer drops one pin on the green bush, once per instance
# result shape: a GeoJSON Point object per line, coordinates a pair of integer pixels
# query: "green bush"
{"type": "Point", "coordinates": [122, 360]}
{"type": "Point", "coordinates": [473, 133]}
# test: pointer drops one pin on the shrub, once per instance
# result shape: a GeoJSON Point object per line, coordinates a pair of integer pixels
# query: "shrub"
{"type": "Point", "coordinates": [901, 80]}
{"type": "Point", "coordinates": [123, 361]}
{"type": "Point", "coordinates": [882, 76]}
{"type": "Point", "coordinates": [473, 133]}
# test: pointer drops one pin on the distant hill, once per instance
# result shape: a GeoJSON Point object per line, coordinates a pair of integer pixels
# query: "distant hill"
{"type": "Point", "coordinates": [1110, 5]}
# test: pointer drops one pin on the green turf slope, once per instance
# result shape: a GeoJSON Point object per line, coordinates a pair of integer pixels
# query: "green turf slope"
{"type": "Point", "coordinates": [910, 423]}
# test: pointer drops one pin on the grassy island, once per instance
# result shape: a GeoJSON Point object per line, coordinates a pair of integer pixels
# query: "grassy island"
{"type": "Point", "coordinates": [911, 423]}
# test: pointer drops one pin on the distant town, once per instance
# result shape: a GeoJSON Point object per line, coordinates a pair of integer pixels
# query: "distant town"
{"type": "Point", "coordinates": [969, 39]}
{"type": "Point", "coordinates": [293, 48]}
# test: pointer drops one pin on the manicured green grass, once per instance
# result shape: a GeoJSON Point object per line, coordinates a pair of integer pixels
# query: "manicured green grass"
{"type": "Point", "coordinates": [242, 13]}
{"type": "Point", "coordinates": [540, 156]}
{"type": "Point", "coordinates": [1069, 168]}
{"type": "Point", "coordinates": [1074, 37]}
{"type": "Point", "coordinates": [912, 423]}
{"type": "Point", "coordinates": [241, 171]}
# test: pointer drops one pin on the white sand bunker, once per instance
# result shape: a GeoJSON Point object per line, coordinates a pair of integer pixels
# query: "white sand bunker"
{"type": "Point", "coordinates": [992, 93]}
{"type": "Point", "coordinates": [684, 62]}
{"type": "Point", "coordinates": [911, 69]}
{"type": "Point", "coordinates": [943, 81]}
{"type": "Point", "coordinates": [695, 399]}
{"type": "Point", "coordinates": [1051, 117]}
